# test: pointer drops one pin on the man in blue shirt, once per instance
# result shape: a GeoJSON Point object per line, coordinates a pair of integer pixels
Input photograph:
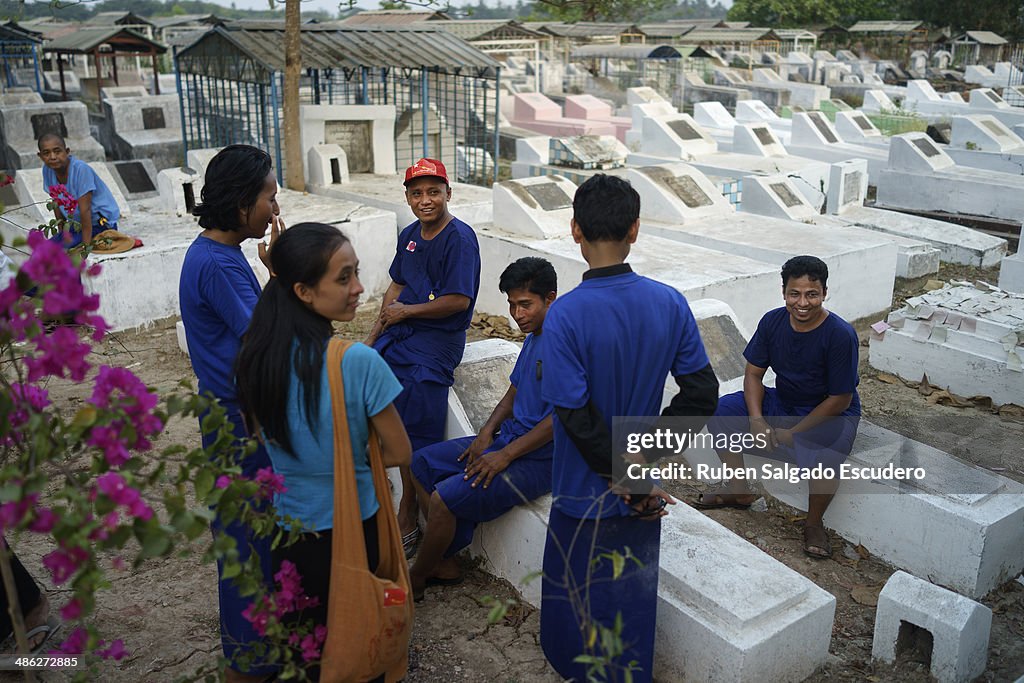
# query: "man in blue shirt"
{"type": "Point", "coordinates": [466, 481]}
{"type": "Point", "coordinates": [811, 415]}
{"type": "Point", "coordinates": [610, 346]}
{"type": "Point", "coordinates": [421, 331]}
{"type": "Point", "coordinates": [97, 209]}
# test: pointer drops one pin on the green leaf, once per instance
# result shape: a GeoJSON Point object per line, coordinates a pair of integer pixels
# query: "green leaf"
{"type": "Point", "coordinates": [85, 417]}
{"type": "Point", "coordinates": [618, 564]}
{"type": "Point", "coordinates": [204, 484]}
{"type": "Point", "coordinates": [155, 543]}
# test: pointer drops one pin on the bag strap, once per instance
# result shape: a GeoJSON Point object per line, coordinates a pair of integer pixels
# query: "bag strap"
{"type": "Point", "coordinates": [347, 517]}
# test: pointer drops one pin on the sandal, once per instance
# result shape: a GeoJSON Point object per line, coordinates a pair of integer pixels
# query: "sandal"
{"type": "Point", "coordinates": [411, 542]}
{"type": "Point", "coordinates": [722, 499]}
{"type": "Point", "coordinates": [817, 543]}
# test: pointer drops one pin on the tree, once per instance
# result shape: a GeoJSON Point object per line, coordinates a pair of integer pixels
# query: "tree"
{"type": "Point", "coordinates": [294, 178]}
{"type": "Point", "coordinates": [600, 10]}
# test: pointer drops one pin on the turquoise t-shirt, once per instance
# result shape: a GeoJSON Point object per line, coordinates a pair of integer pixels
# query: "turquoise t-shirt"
{"type": "Point", "coordinates": [370, 387]}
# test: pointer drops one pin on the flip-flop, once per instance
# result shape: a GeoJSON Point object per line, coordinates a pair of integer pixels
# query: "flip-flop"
{"type": "Point", "coordinates": [411, 542]}
{"type": "Point", "coordinates": [827, 546]}
{"type": "Point", "coordinates": [48, 630]}
{"type": "Point", "coordinates": [701, 504]}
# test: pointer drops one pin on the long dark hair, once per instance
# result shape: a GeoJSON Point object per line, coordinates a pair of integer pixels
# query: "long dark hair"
{"type": "Point", "coordinates": [234, 180]}
{"type": "Point", "coordinates": [285, 333]}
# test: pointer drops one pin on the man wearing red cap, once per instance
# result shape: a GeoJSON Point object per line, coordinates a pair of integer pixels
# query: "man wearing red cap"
{"type": "Point", "coordinates": [421, 331]}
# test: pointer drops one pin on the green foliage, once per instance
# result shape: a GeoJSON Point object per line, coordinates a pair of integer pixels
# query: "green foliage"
{"type": "Point", "coordinates": [599, 10]}
{"type": "Point", "coordinates": [805, 13]}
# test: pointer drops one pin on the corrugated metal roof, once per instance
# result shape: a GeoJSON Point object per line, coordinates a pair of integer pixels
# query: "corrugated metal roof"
{"type": "Point", "coordinates": [241, 53]}
{"type": "Point", "coordinates": [885, 26]}
{"type": "Point", "coordinates": [666, 30]}
{"type": "Point", "coordinates": [985, 38]}
{"type": "Point", "coordinates": [393, 17]}
{"type": "Point", "coordinates": [115, 18]}
{"type": "Point", "coordinates": [728, 35]}
{"type": "Point", "coordinates": [471, 29]}
{"type": "Point", "coordinates": [85, 40]}
{"type": "Point", "coordinates": [15, 35]}
{"type": "Point", "coordinates": [791, 33]}
{"type": "Point", "coordinates": [587, 29]}
{"type": "Point", "coordinates": [184, 19]}
{"type": "Point", "coordinates": [633, 51]}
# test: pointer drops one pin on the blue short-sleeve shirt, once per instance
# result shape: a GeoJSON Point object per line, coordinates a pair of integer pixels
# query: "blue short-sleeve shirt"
{"type": "Point", "coordinates": [447, 264]}
{"type": "Point", "coordinates": [370, 387]}
{"type": "Point", "coordinates": [430, 349]}
{"type": "Point", "coordinates": [529, 407]}
{"type": "Point", "coordinates": [217, 293]}
{"type": "Point", "coordinates": [613, 340]}
{"type": "Point", "coordinates": [809, 366]}
{"type": "Point", "coordinates": [82, 180]}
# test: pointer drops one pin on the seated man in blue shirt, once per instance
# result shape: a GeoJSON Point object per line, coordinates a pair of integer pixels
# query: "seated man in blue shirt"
{"type": "Point", "coordinates": [811, 415]}
{"type": "Point", "coordinates": [466, 481]}
{"type": "Point", "coordinates": [97, 209]}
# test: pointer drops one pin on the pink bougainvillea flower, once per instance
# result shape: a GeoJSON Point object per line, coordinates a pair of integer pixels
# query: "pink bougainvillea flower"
{"type": "Point", "coordinates": [57, 354]}
{"type": "Point", "coordinates": [270, 483]}
{"type": "Point", "coordinates": [44, 521]}
{"type": "Point", "coordinates": [114, 651]}
{"type": "Point", "coordinates": [64, 562]}
{"type": "Point", "coordinates": [72, 610]}
{"type": "Point", "coordinates": [74, 644]}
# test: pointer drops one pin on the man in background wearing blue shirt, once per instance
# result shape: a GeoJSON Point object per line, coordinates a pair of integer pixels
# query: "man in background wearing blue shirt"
{"type": "Point", "coordinates": [97, 209]}
{"type": "Point", "coordinates": [610, 345]}
{"type": "Point", "coordinates": [811, 415]}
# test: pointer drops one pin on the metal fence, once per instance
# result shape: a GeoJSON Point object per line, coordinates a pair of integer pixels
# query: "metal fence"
{"type": "Point", "coordinates": [457, 126]}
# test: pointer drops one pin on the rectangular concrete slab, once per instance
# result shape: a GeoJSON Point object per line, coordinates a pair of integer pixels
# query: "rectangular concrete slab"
{"type": "Point", "coordinates": [759, 620]}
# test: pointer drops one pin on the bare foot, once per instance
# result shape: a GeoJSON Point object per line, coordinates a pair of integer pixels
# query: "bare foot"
{"type": "Point", "coordinates": [448, 569]}
{"type": "Point", "coordinates": [36, 617]}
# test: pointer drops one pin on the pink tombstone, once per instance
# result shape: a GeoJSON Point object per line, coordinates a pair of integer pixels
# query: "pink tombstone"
{"type": "Point", "coordinates": [590, 108]}
{"type": "Point", "coordinates": [534, 111]}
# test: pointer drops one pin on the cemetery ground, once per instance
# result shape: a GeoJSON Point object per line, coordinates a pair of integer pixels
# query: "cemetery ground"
{"type": "Point", "coordinates": [167, 612]}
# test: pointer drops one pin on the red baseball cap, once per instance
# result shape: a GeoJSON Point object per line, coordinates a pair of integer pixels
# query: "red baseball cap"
{"type": "Point", "coordinates": [426, 167]}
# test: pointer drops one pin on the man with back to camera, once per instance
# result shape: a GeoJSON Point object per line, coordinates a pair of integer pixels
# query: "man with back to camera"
{"type": "Point", "coordinates": [97, 209]}
{"type": "Point", "coordinates": [610, 346]}
{"type": "Point", "coordinates": [427, 308]}
{"type": "Point", "coordinates": [811, 415]}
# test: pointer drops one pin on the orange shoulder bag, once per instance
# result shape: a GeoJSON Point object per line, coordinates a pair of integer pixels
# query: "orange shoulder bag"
{"type": "Point", "coordinates": [369, 614]}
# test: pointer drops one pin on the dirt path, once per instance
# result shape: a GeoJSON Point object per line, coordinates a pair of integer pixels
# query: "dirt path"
{"type": "Point", "coordinates": [167, 613]}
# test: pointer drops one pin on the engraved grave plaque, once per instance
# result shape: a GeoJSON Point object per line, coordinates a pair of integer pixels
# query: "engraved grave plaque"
{"type": "Point", "coordinates": [153, 118]}
{"type": "Point", "coordinates": [724, 345]}
{"type": "Point", "coordinates": [134, 176]}
{"type": "Point", "coordinates": [851, 188]}
{"type": "Point", "coordinates": [684, 187]}
{"type": "Point", "coordinates": [684, 130]}
{"type": "Point", "coordinates": [356, 138]}
{"type": "Point", "coordinates": [764, 136]}
{"type": "Point", "coordinates": [550, 196]}
{"type": "Point", "coordinates": [45, 124]}
{"type": "Point", "coordinates": [863, 123]}
{"type": "Point", "coordinates": [783, 192]}
{"type": "Point", "coordinates": [823, 128]}
{"type": "Point", "coordinates": [926, 147]}
{"type": "Point", "coordinates": [992, 96]}
{"type": "Point", "coordinates": [124, 94]}
{"type": "Point", "coordinates": [995, 129]}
